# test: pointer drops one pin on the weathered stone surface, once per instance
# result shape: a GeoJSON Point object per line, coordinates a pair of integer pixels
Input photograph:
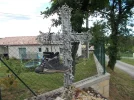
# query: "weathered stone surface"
{"type": "Point", "coordinates": [95, 87]}
{"type": "Point", "coordinates": [106, 94]}
{"type": "Point", "coordinates": [100, 90]}
{"type": "Point", "coordinates": [106, 91]}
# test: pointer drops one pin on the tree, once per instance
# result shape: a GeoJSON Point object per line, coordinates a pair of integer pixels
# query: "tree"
{"type": "Point", "coordinates": [98, 32]}
{"type": "Point", "coordinates": [81, 8]}
{"type": "Point", "coordinates": [119, 12]}
{"type": "Point", "coordinates": [127, 41]}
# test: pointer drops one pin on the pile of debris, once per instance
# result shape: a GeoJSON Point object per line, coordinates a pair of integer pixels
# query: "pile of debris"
{"type": "Point", "coordinates": [72, 93]}
{"type": "Point", "coordinates": [80, 94]}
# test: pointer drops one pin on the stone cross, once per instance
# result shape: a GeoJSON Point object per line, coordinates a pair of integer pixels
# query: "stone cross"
{"type": "Point", "coordinates": [65, 12]}
{"type": "Point", "coordinates": [67, 37]}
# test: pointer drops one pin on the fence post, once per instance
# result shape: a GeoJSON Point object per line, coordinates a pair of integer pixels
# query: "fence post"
{"type": "Point", "coordinates": [100, 55]}
{"type": "Point", "coordinates": [103, 57]}
{"type": "Point", "coordinates": [0, 94]}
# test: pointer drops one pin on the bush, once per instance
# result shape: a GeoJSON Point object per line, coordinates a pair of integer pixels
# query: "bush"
{"type": "Point", "coordinates": [15, 65]}
{"type": "Point", "coordinates": [8, 82]}
{"type": "Point", "coordinates": [118, 56]}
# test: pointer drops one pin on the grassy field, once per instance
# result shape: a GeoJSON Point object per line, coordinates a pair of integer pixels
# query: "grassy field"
{"type": "Point", "coordinates": [39, 83]}
{"type": "Point", "coordinates": [127, 60]}
{"type": "Point", "coordinates": [121, 85]}
{"type": "Point", "coordinates": [126, 54]}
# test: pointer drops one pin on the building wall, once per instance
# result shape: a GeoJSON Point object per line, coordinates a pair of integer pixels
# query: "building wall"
{"type": "Point", "coordinates": [3, 50]}
{"type": "Point", "coordinates": [14, 50]}
{"type": "Point", "coordinates": [34, 50]}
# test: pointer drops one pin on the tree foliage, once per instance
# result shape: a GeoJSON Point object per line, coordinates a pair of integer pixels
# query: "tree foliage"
{"type": "Point", "coordinates": [126, 43]}
{"type": "Point", "coordinates": [80, 11]}
{"type": "Point", "coordinates": [98, 32]}
{"type": "Point", "coordinates": [119, 12]}
{"type": "Point", "coordinates": [81, 8]}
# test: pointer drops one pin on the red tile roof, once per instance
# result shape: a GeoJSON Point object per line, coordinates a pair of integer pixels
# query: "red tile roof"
{"type": "Point", "coordinates": [20, 40]}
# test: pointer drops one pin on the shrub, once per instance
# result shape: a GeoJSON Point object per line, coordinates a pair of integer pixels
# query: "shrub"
{"type": "Point", "coordinates": [8, 82]}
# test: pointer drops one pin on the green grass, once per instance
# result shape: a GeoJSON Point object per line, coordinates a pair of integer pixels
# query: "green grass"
{"type": "Point", "coordinates": [126, 54]}
{"type": "Point", "coordinates": [41, 83]}
{"type": "Point", "coordinates": [121, 85]}
{"type": "Point", "coordinates": [85, 68]}
{"type": "Point", "coordinates": [127, 60]}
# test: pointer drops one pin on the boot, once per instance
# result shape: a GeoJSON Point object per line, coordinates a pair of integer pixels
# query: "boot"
{"type": "Point", "coordinates": [51, 66]}
{"type": "Point", "coordinates": [40, 68]}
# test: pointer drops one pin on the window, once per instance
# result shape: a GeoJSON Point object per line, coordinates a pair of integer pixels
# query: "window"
{"type": "Point", "coordinates": [22, 53]}
{"type": "Point", "coordinates": [61, 50]}
{"type": "Point", "coordinates": [39, 49]}
{"type": "Point", "coordinates": [47, 50]}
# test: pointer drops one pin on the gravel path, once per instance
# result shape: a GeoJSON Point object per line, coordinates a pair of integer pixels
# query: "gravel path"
{"type": "Point", "coordinates": [124, 66]}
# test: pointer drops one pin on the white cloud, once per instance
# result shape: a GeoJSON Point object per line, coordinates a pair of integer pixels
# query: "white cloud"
{"type": "Point", "coordinates": [21, 6]}
{"type": "Point", "coordinates": [26, 27]}
{"type": "Point", "coordinates": [22, 17]}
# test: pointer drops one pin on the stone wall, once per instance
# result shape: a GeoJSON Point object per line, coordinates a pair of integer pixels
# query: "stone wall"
{"type": "Point", "coordinates": [98, 83]}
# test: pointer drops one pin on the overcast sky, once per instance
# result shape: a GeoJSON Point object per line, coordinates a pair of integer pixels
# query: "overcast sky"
{"type": "Point", "coordinates": [22, 17]}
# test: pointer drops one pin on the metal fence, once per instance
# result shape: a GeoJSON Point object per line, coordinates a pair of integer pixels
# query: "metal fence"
{"type": "Point", "coordinates": [100, 54]}
{"type": "Point", "coordinates": [18, 79]}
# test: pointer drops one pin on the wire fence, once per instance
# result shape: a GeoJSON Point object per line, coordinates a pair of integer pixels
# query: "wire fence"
{"type": "Point", "coordinates": [18, 79]}
{"type": "Point", "coordinates": [100, 54]}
